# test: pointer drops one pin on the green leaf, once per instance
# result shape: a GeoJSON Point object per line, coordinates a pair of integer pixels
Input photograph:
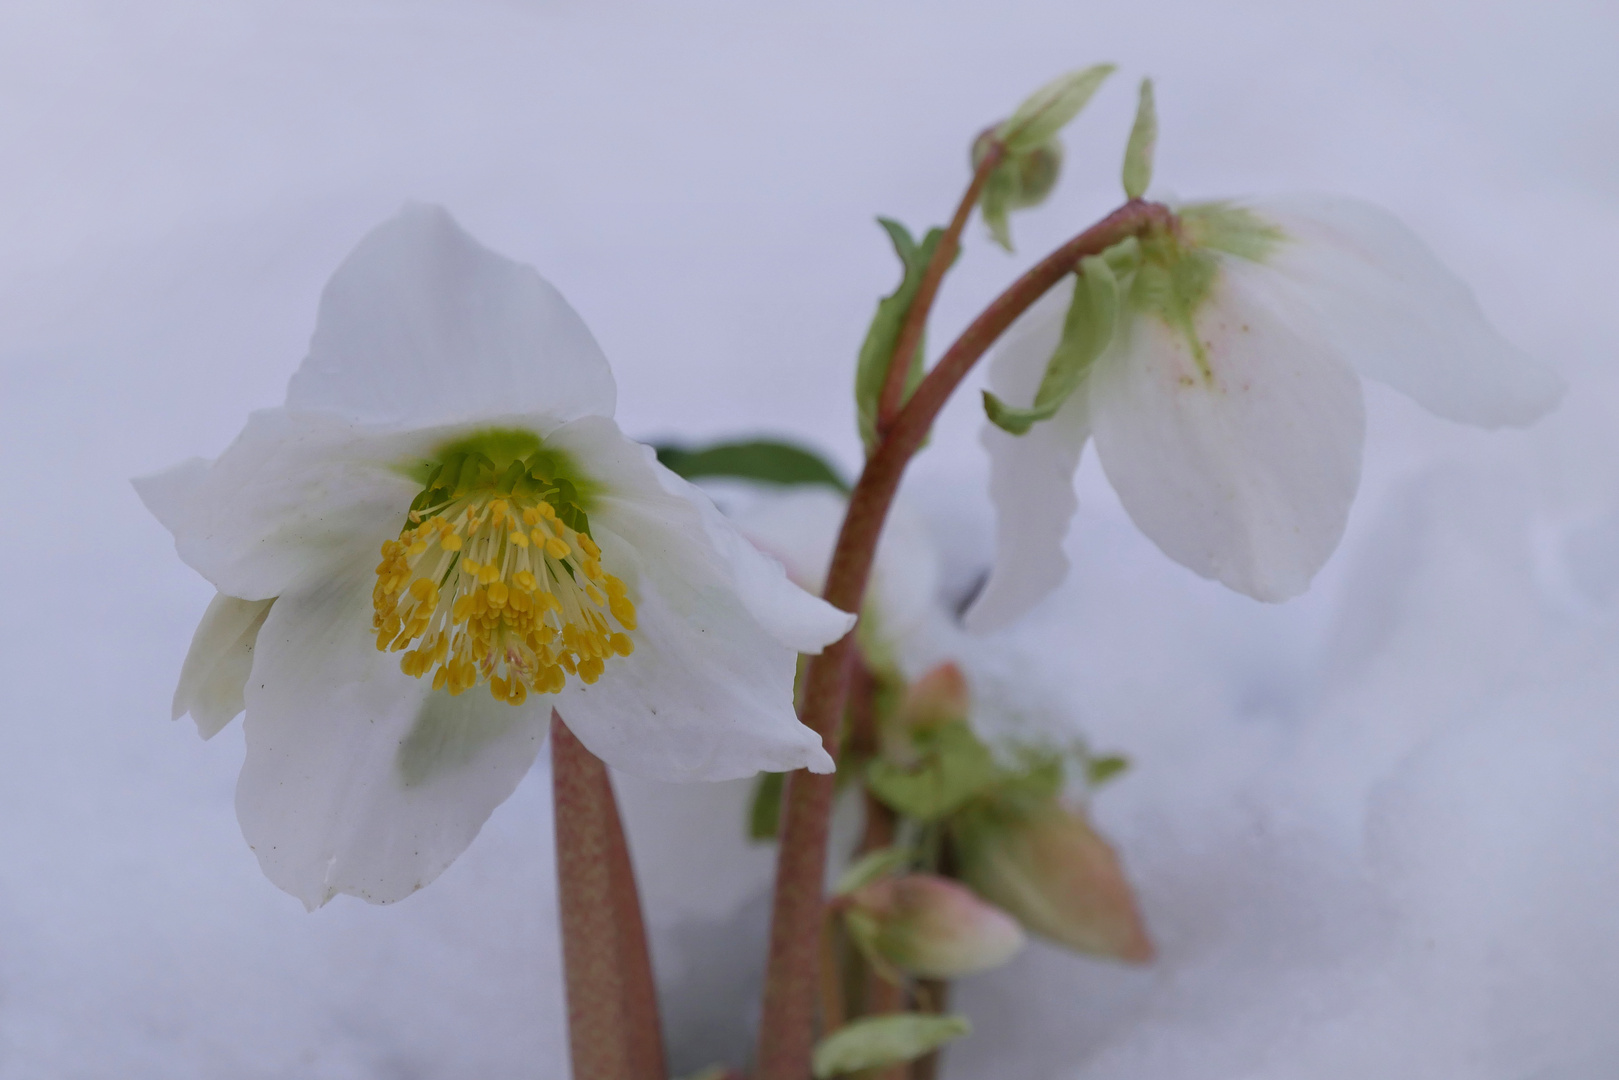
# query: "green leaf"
{"type": "Point", "coordinates": [952, 767]}
{"type": "Point", "coordinates": [1048, 110]}
{"type": "Point", "coordinates": [877, 351]}
{"type": "Point", "coordinates": [1143, 139]}
{"type": "Point", "coordinates": [871, 866]}
{"type": "Point", "coordinates": [1099, 771]}
{"type": "Point", "coordinates": [875, 1041]}
{"type": "Point", "coordinates": [764, 816]}
{"type": "Point", "coordinates": [1086, 332]}
{"type": "Point", "coordinates": [764, 460]}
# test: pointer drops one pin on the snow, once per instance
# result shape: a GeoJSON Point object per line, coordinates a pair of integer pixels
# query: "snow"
{"type": "Point", "coordinates": [1372, 829]}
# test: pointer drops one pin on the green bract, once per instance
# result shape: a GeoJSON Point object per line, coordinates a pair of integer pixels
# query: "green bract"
{"type": "Point", "coordinates": [884, 1040]}
{"type": "Point", "coordinates": [1047, 111]}
{"type": "Point", "coordinates": [871, 866]}
{"type": "Point", "coordinates": [951, 767]}
{"type": "Point", "coordinates": [1138, 151]}
{"type": "Point", "coordinates": [1086, 332]}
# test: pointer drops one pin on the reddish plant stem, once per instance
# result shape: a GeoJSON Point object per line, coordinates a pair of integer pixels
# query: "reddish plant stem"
{"type": "Point", "coordinates": [613, 1028]}
{"type": "Point", "coordinates": [916, 318]}
{"type": "Point", "coordinates": [787, 1027]}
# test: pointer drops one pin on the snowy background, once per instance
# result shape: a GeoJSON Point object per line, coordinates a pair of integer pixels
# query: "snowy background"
{"type": "Point", "coordinates": [1374, 830]}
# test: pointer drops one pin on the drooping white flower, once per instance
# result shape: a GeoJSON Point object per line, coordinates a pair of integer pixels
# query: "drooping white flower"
{"type": "Point", "coordinates": [454, 418]}
{"type": "Point", "coordinates": [1226, 409]}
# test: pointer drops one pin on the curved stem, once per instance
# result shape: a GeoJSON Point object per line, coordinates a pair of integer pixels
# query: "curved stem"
{"type": "Point", "coordinates": [787, 1027]}
{"type": "Point", "coordinates": [916, 318]}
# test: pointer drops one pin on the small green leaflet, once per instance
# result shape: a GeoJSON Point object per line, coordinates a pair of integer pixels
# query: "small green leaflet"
{"type": "Point", "coordinates": [878, 349]}
{"type": "Point", "coordinates": [1086, 331]}
{"type": "Point", "coordinates": [1143, 140]}
{"type": "Point", "coordinates": [871, 866]}
{"type": "Point", "coordinates": [1100, 770]}
{"type": "Point", "coordinates": [764, 816]}
{"type": "Point", "coordinates": [953, 768]}
{"type": "Point", "coordinates": [1048, 110]}
{"type": "Point", "coordinates": [875, 1041]}
{"type": "Point", "coordinates": [761, 459]}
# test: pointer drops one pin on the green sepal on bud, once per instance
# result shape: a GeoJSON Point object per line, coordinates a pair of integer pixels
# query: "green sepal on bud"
{"type": "Point", "coordinates": [875, 1041]}
{"type": "Point", "coordinates": [1143, 141]}
{"type": "Point", "coordinates": [1022, 179]}
{"type": "Point", "coordinates": [877, 351]}
{"type": "Point", "coordinates": [1031, 156]}
{"type": "Point", "coordinates": [930, 926]}
{"type": "Point", "coordinates": [1050, 870]}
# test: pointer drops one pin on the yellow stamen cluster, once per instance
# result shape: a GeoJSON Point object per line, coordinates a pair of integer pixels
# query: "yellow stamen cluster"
{"type": "Point", "coordinates": [496, 588]}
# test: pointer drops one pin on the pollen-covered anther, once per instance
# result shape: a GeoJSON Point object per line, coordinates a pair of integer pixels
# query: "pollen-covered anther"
{"type": "Point", "coordinates": [497, 589]}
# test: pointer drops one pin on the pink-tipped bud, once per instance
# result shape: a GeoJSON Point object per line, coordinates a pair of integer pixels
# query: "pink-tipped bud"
{"type": "Point", "coordinates": [932, 926]}
{"type": "Point", "coordinates": [1061, 880]}
{"type": "Point", "coordinates": [939, 697]}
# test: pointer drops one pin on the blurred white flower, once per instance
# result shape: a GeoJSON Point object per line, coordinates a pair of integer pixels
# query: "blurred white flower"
{"type": "Point", "coordinates": [454, 414]}
{"type": "Point", "coordinates": [1227, 409]}
{"type": "Point", "coordinates": [903, 623]}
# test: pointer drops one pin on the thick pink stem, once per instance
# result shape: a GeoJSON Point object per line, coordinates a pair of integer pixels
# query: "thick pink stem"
{"type": "Point", "coordinates": [613, 1028]}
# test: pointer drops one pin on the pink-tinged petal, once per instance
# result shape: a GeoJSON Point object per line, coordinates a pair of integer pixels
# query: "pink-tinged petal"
{"type": "Point", "coordinates": [933, 927]}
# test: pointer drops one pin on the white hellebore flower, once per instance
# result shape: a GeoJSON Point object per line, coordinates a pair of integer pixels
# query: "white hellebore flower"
{"type": "Point", "coordinates": [455, 415]}
{"type": "Point", "coordinates": [1226, 406]}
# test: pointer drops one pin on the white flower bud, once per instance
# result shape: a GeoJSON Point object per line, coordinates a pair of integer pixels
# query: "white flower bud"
{"type": "Point", "coordinates": [1061, 880]}
{"type": "Point", "coordinates": [931, 926]}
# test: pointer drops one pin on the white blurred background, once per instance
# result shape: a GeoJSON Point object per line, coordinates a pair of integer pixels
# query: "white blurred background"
{"type": "Point", "coordinates": [1376, 831]}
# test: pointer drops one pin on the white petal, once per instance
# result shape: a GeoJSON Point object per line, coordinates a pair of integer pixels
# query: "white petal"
{"type": "Point", "coordinates": [295, 497]}
{"type": "Point", "coordinates": [707, 694]}
{"type": "Point", "coordinates": [424, 325]}
{"type": "Point", "coordinates": [1399, 316]}
{"type": "Point", "coordinates": [358, 778]}
{"type": "Point", "coordinates": [1031, 478]}
{"type": "Point", "coordinates": [216, 668]}
{"type": "Point", "coordinates": [799, 526]}
{"type": "Point", "coordinates": [1245, 476]}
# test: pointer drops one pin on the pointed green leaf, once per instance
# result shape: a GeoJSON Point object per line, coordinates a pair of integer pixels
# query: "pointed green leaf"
{"type": "Point", "coordinates": [1086, 331]}
{"type": "Point", "coordinates": [763, 460]}
{"type": "Point", "coordinates": [1143, 139]}
{"type": "Point", "coordinates": [1048, 110]}
{"type": "Point", "coordinates": [875, 1041]}
{"type": "Point", "coordinates": [871, 866]}
{"type": "Point", "coordinates": [877, 351]}
{"type": "Point", "coordinates": [764, 816]}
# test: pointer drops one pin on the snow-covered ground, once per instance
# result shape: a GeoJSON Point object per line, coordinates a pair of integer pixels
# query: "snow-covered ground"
{"type": "Point", "coordinates": [1374, 829]}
